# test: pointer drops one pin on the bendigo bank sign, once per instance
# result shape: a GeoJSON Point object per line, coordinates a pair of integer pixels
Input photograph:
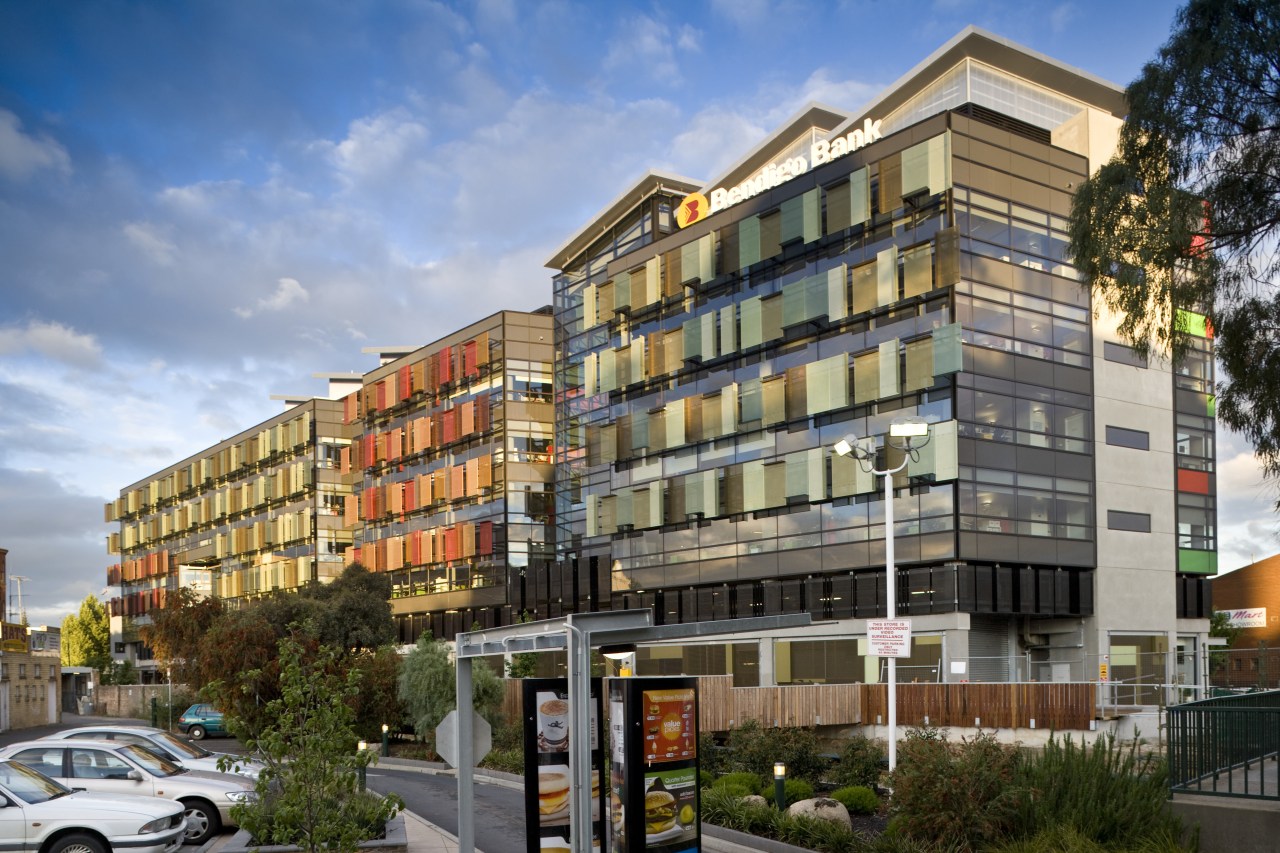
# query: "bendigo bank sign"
{"type": "Point", "coordinates": [697, 206]}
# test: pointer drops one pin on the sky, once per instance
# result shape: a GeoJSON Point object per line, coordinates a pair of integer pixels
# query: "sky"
{"type": "Point", "coordinates": [204, 203]}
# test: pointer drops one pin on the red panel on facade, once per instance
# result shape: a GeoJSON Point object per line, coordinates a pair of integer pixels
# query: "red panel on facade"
{"type": "Point", "coordinates": [469, 366]}
{"type": "Point", "coordinates": [1193, 481]}
{"type": "Point", "coordinates": [485, 545]}
{"type": "Point", "coordinates": [405, 386]}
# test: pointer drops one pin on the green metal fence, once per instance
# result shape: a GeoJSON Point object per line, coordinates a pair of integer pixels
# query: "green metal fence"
{"type": "Point", "coordinates": [1227, 745]}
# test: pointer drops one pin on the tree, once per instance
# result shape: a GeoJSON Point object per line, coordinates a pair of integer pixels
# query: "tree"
{"type": "Point", "coordinates": [1186, 215]}
{"type": "Point", "coordinates": [86, 637]}
{"type": "Point", "coordinates": [429, 689]}
{"type": "Point", "coordinates": [523, 664]}
{"type": "Point", "coordinates": [309, 789]}
{"type": "Point", "coordinates": [177, 631]}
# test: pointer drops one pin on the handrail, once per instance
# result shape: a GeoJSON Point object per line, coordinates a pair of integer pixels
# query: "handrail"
{"type": "Point", "coordinates": [1226, 746]}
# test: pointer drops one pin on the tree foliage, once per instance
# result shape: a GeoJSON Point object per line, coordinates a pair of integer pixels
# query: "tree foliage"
{"type": "Point", "coordinates": [235, 657]}
{"type": "Point", "coordinates": [429, 689]}
{"type": "Point", "coordinates": [177, 630]}
{"type": "Point", "coordinates": [309, 788]}
{"type": "Point", "coordinates": [86, 636]}
{"type": "Point", "coordinates": [1186, 216]}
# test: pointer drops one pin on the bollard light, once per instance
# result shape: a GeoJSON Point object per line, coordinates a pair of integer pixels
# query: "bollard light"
{"type": "Point", "coordinates": [780, 785]}
{"type": "Point", "coordinates": [361, 747]}
{"type": "Point", "coordinates": [386, 746]}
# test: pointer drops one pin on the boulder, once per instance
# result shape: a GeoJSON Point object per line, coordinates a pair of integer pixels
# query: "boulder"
{"type": "Point", "coordinates": [755, 800]}
{"type": "Point", "coordinates": [823, 808]}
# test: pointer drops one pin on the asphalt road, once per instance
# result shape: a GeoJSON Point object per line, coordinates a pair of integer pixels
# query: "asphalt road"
{"type": "Point", "coordinates": [499, 811]}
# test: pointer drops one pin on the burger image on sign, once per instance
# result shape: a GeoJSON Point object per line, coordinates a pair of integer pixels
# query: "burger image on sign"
{"type": "Point", "coordinates": [659, 812]}
{"type": "Point", "coordinates": [553, 794]}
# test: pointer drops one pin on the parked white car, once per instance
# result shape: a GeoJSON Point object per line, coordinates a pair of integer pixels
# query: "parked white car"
{"type": "Point", "coordinates": [39, 813]}
{"type": "Point", "coordinates": [174, 747]}
{"type": "Point", "coordinates": [128, 768]}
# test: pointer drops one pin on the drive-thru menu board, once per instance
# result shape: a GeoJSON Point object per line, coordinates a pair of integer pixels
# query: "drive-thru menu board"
{"type": "Point", "coordinates": [546, 762]}
{"type": "Point", "coordinates": [653, 780]}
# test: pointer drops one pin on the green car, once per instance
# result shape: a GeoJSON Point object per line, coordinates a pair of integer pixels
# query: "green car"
{"type": "Point", "coordinates": [200, 721]}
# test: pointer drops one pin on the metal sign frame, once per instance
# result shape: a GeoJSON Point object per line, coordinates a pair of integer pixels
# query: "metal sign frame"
{"type": "Point", "coordinates": [577, 633]}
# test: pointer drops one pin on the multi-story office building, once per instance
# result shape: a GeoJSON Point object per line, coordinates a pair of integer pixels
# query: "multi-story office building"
{"type": "Point", "coordinates": [451, 472]}
{"type": "Point", "coordinates": [714, 340]}
{"type": "Point", "coordinates": [259, 512]}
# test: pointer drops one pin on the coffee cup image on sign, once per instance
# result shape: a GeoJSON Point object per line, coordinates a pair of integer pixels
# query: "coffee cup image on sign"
{"type": "Point", "coordinates": [553, 723]}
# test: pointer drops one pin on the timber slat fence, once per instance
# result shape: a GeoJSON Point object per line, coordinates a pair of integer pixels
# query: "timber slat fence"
{"type": "Point", "coordinates": [1019, 705]}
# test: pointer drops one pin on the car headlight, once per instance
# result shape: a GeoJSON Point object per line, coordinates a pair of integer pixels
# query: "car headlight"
{"type": "Point", "coordinates": [242, 796]}
{"type": "Point", "coordinates": [160, 824]}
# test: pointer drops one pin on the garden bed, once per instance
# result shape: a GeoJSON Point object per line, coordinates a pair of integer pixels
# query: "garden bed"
{"type": "Point", "coordinates": [394, 839]}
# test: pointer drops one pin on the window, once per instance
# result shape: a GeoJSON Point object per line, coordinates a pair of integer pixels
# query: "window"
{"type": "Point", "coordinates": [1121, 354]}
{"type": "Point", "coordinates": [1138, 522]}
{"type": "Point", "coordinates": [1121, 437]}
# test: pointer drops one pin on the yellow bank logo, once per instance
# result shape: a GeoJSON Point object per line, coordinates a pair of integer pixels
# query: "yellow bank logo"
{"type": "Point", "coordinates": [692, 209]}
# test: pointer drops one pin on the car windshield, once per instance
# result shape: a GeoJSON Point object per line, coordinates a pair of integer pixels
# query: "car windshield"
{"type": "Point", "coordinates": [180, 746]}
{"type": "Point", "coordinates": [28, 785]}
{"type": "Point", "coordinates": [155, 764]}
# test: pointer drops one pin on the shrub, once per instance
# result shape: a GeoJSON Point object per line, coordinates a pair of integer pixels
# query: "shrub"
{"type": "Point", "coordinates": [794, 790]}
{"type": "Point", "coordinates": [956, 794]}
{"type": "Point", "coordinates": [754, 749]}
{"type": "Point", "coordinates": [858, 799]}
{"type": "Point", "coordinates": [861, 763]}
{"type": "Point", "coordinates": [711, 755]}
{"type": "Point", "coordinates": [721, 808]}
{"type": "Point", "coordinates": [1114, 795]}
{"type": "Point", "coordinates": [748, 781]}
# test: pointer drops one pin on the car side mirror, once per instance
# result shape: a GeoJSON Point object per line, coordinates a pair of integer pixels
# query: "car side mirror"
{"type": "Point", "coordinates": [135, 775]}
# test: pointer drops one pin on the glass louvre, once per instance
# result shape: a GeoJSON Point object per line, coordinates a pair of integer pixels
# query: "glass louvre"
{"type": "Point", "coordinates": [622, 291]}
{"type": "Point", "coordinates": [827, 384]}
{"type": "Point", "coordinates": [608, 442]}
{"type": "Point", "coordinates": [673, 344]}
{"type": "Point", "coordinates": [728, 330]}
{"type": "Point", "coordinates": [752, 402]}
{"type": "Point", "coordinates": [866, 378]}
{"type": "Point", "coordinates": [639, 431]}
{"type": "Point", "coordinates": [734, 490]}
{"type": "Point", "coordinates": [675, 423]}
{"type": "Point", "coordinates": [652, 282]}
{"type": "Point", "coordinates": [604, 303]}
{"type": "Point", "coordinates": [693, 334]}
{"type": "Point", "coordinates": [748, 242]}
{"type": "Point", "coordinates": [770, 234]}
{"type": "Point", "coordinates": [589, 307]}
{"type": "Point", "coordinates": [608, 370]}
{"type": "Point", "coordinates": [948, 257]}
{"type": "Point", "coordinates": [791, 219]}
{"type": "Point", "coordinates": [707, 257]}
{"type": "Point", "coordinates": [624, 504]}
{"type": "Point", "coordinates": [938, 457]}
{"type": "Point", "coordinates": [637, 358]}
{"type": "Point", "coordinates": [728, 423]}
{"type": "Point", "coordinates": [590, 386]}
{"type": "Point", "coordinates": [775, 483]}
{"type": "Point", "coordinates": [671, 273]}
{"type": "Point", "coordinates": [859, 196]}
{"type": "Point", "coordinates": [796, 392]}
{"type": "Point", "coordinates": [690, 261]}
{"type": "Point", "coordinates": [889, 369]}
{"type": "Point", "coordinates": [919, 365]}
{"type": "Point", "coordinates": [753, 486]}
{"type": "Point", "coordinates": [864, 288]}
{"type": "Point", "coordinates": [891, 183]}
{"type": "Point", "coordinates": [657, 429]}
{"type": "Point", "coordinates": [752, 320]}
{"type": "Point", "coordinates": [657, 355]}
{"type": "Point", "coordinates": [838, 214]}
{"type": "Point", "coordinates": [773, 394]}
{"type": "Point", "coordinates": [693, 419]}
{"type": "Point", "coordinates": [837, 294]}
{"type": "Point", "coordinates": [887, 276]}
{"type": "Point", "coordinates": [593, 516]}
{"type": "Point", "coordinates": [948, 356]}
{"type": "Point", "coordinates": [917, 267]}
{"type": "Point", "coordinates": [771, 317]}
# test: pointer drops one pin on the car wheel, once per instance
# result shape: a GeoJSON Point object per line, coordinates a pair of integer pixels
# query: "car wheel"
{"type": "Point", "coordinates": [202, 821]}
{"type": "Point", "coordinates": [77, 842]}
{"type": "Point", "coordinates": [197, 732]}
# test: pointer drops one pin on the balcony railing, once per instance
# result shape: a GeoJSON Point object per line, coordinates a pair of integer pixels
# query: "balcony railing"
{"type": "Point", "coordinates": [1226, 746]}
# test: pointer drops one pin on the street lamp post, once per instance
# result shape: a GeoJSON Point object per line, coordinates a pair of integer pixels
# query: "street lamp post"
{"type": "Point", "coordinates": [904, 429]}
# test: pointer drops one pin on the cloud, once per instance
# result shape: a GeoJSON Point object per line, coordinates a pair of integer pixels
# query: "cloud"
{"type": "Point", "coordinates": [378, 148]}
{"type": "Point", "coordinates": [54, 341]}
{"type": "Point", "coordinates": [22, 155]}
{"type": "Point", "coordinates": [643, 46]}
{"type": "Point", "coordinates": [148, 238]}
{"type": "Point", "coordinates": [288, 292]}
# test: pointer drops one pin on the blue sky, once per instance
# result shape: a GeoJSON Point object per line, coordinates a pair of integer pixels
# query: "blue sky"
{"type": "Point", "coordinates": [204, 203]}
